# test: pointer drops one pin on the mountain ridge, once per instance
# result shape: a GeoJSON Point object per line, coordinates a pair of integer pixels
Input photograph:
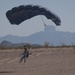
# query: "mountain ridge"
{"type": "Point", "coordinates": [49, 34]}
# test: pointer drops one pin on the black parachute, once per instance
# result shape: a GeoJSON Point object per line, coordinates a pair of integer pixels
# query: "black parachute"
{"type": "Point", "coordinates": [19, 14]}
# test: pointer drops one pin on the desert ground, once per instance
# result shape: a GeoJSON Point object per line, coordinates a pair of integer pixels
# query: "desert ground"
{"type": "Point", "coordinates": [42, 61]}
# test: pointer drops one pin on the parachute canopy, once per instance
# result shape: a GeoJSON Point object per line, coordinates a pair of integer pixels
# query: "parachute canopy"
{"type": "Point", "coordinates": [19, 14]}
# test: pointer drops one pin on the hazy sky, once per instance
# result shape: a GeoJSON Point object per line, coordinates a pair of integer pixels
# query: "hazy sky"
{"type": "Point", "coordinates": [65, 9]}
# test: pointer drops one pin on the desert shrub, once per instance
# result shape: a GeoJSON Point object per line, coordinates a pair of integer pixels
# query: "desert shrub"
{"type": "Point", "coordinates": [46, 44]}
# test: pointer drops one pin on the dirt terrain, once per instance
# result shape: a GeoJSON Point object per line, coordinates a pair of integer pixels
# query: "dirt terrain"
{"type": "Point", "coordinates": [43, 61]}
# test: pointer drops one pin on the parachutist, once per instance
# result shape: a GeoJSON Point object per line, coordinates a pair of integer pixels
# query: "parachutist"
{"type": "Point", "coordinates": [25, 55]}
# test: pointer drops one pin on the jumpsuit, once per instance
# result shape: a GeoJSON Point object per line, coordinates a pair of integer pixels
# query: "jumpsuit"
{"type": "Point", "coordinates": [25, 55]}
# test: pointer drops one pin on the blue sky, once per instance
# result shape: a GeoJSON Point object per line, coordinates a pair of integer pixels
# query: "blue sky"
{"type": "Point", "coordinates": [65, 9]}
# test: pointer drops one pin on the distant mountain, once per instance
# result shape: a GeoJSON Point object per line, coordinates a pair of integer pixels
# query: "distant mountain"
{"type": "Point", "coordinates": [6, 43]}
{"type": "Point", "coordinates": [48, 35]}
{"type": "Point", "coordinates": [12, 38]}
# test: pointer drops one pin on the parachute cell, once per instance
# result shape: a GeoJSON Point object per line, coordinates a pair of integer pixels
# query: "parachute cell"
{"type": "Point", "coordinates": [19, 14]}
